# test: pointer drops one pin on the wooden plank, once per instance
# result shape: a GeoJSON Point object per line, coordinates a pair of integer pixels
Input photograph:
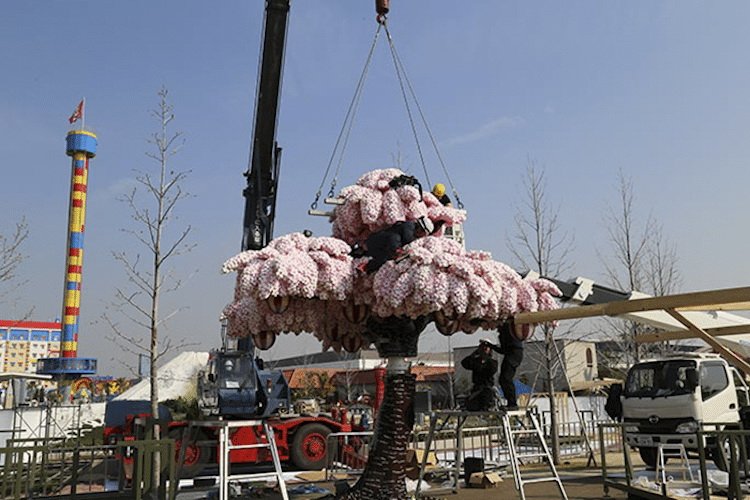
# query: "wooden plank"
{"type": "Point", "coordinates": [727, 354]}
{"type": "Point", "coordinates": [725, 296]}
{"type": "Point", "coordinates": [687, 334]}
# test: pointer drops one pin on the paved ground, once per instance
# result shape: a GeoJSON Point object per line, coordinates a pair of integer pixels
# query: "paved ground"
{"type": "Point", "coordinates": [580, 483]}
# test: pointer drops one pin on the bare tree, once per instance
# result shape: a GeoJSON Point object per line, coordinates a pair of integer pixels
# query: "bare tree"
{"type": "Point", "coordinates": [152, 206]}
{"type": "Point", "coordinates": [662, 273]}
{"type": "Point", "coordinates": [540, 244]}
{"type": "Point", "coordinates": [641, 260]}
{"type": "Point", "coordinates": [11, 258]}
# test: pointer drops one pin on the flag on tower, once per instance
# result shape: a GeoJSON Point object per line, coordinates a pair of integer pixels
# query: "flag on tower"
{"type": "Point", "coordinates": [77, 114]}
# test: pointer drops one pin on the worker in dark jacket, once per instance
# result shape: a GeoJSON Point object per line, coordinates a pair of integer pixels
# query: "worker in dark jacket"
{"type": "Point", "coordinates": [385, 245]}
{"type": "Point", "coordinates": [483, 368]}
{"type": "Point", "coordinates": [512, 350]}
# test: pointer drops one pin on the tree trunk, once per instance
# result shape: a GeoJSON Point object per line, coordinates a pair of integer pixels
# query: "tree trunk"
{"type": "Point", "coordinates": [385, 473]}
{"type": "Point", "coordinates": [154, 380]}
{"type": "Point", "coordinates": [384, 477]}
{"type": "Point", "coordinates": [549, 361]}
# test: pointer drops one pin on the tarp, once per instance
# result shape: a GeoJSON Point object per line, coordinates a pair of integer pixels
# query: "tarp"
{"type": "Point", "coordinates": [521, 388]}
{"type": "Point", "coordinates": [177, 377]}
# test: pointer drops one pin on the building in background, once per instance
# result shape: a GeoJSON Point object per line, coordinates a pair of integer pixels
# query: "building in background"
{"type": "Point", "coordinates": [577, 359]}
{"type": "Point", "coordinates": [22, 343]}
{"type": "Point", "coordinates": [364, 359]}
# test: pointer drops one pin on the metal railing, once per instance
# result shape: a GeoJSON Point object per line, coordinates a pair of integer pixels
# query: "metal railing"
{"type": "Point", "coordinates": [718, 441]}
{"type": "Point", "coordinates": [573, 434]}
{"type": "Point", "coordinates": [49, 467]}
{"type": "Point", "coordinates": [348, 451]}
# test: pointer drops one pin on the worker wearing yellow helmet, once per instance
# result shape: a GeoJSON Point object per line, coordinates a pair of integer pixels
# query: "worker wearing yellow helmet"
{"type": "Point", "coordinates": [439, 191]}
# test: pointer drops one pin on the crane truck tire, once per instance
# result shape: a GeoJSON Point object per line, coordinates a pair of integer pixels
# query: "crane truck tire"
{"type": "Point", "coordinates": [308, 451]}
{"type": "Point", "coordinates": [196, 456]}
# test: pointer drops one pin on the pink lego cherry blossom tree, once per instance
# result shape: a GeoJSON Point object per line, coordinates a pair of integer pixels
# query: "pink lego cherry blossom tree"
{"type": "Point", "coordinates": [312, 284]}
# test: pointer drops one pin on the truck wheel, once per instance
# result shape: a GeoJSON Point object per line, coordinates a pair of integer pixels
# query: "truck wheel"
{"type": "Point", "coordinates": [650, 457]}
{"type": "Point", "coordinates": [308, 450]}
{"type": "Point", "coordinates": [196, 457]}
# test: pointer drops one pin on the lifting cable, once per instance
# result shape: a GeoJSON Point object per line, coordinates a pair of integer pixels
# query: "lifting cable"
{"type": "Point", "coordinates": [402, 76]}
{"type": "Point", "coordinates": [346, 127]}
{"type": "Point", "coordinates": [343, 138]}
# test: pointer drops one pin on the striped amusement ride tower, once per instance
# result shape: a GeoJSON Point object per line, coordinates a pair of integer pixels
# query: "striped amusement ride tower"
{"type": "Point", "coordinates": [81, 146]}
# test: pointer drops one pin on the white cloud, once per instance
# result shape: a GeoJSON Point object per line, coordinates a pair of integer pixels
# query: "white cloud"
{"type": "Point", "coordinates": [120, 187]}
{"type": "Point", "coordinates": [487, 130]}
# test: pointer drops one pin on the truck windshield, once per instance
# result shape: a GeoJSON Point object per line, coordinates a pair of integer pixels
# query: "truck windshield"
{"type": "Point", "coordinates": [658, 379]}
{"type": "Point", "coordinates": [236, 373]}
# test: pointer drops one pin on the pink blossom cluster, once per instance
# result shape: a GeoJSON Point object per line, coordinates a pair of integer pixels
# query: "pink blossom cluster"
{"type": "Point", "coordinates": [297, 266]}
{"type": "Point", "coordinates": [371, 205]}
{"type": "Point", "coordinates": [467, 286]}
{"type": "Point", "coordinates": [325, 319]}
{"type": "Point", "coordinates": [305, 284]}
{"type": "Point", "coordinates": [314, 274]}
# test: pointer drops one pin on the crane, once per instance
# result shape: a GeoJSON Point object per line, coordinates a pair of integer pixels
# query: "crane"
{"type": "Point", "coordinates": [265, 155]}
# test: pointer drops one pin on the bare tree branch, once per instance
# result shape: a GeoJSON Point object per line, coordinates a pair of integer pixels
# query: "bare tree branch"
{"type": "Point", "coordinates": [642, 260]}
{"type": "Point", "coordinates": [152, 204]}
{"type": "Point", "coordinates": [540, 244]}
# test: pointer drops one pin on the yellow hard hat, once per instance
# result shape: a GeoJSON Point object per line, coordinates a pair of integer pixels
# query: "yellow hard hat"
{"type": "Point", "coordinates": [438, 190]}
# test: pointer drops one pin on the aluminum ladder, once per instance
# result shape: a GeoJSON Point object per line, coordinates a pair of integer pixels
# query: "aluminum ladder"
{"type": "Point", "coordinates": [667, 451]}
{"type": "Point", "coordinates": [525, 424]}
{"type": "Point", "coordinates": [225, 447]}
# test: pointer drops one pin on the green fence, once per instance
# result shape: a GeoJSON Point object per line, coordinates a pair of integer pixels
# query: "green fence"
{"type": "Point", "coordinates": [41, 468]}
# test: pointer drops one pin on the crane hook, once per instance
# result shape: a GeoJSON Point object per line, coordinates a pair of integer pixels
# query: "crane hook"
{"type": "Point", "coordinates": [382, 8]}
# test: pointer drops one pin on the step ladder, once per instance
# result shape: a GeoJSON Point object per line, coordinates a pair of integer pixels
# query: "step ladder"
{"type": "Point", "coordinates": [667, 451]}
{"type": "Point", "coordinates": [225, 428]}
{"type": "Point", "coordinates": [453, 420]}
{"type": "Point", "coordinates": [522, 426]}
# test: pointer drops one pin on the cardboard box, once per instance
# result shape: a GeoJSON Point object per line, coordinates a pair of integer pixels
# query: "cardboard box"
{"type": "Point", "coordinates": [414, 461]}
{"type": "Point", "coordinates": [485, 480]}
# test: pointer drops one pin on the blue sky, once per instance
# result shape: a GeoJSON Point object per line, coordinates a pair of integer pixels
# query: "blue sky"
{"type": "Point", "coordinates": [585, 88]}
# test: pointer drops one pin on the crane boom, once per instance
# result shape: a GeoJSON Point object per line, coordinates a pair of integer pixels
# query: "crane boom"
{"type": "Point", "coordinates": [265, 156]}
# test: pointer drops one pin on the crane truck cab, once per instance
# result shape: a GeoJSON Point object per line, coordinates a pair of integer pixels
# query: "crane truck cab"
{"type": "Point", "coordinates": [668, 400]}
{"type": "Point", "coordinates": [235, 385]}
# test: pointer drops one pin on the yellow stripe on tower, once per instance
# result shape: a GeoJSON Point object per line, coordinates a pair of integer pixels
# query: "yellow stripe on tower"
{"type": "Point", "coordinates": [69, 346]}
{"type": "Point", "coordinates": [76, 220]}
{"type": "Point", "coordinates": [72, 298]}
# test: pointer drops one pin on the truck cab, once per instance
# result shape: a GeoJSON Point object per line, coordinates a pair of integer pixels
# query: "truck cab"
{"type": "Point", "coordinates": [667, 400]}
{"type": "Point", "coordinates": [235, 385]}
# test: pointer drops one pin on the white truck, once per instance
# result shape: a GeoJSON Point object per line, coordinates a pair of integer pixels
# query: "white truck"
{"type": "Point", "coordinates": [667, 400]}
